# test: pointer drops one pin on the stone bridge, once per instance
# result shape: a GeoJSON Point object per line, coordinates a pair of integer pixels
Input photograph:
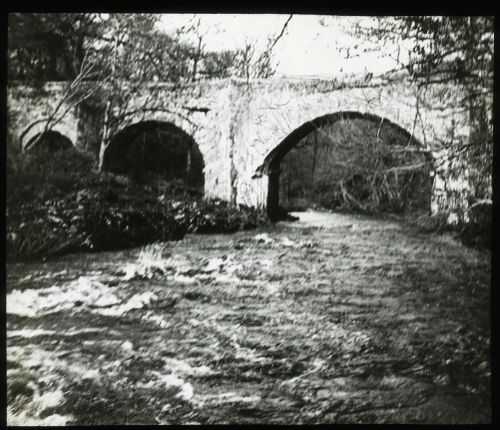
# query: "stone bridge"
{"type": "Point", "coordinates": [243, 129]}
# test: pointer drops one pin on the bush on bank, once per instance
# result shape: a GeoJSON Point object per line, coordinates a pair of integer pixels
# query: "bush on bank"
{"type": "Point", "coordinates": [475, 232]}
{"type": "Point", "coordinates": [58, 205]}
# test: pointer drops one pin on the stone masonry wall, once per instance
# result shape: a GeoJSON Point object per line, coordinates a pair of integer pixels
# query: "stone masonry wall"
{"type": "Point", "coordinates": [236, 124]}
{"type": "Point", "coordinates": [27, 105]}
{"type": "Point", "coordinates": [265, 114]}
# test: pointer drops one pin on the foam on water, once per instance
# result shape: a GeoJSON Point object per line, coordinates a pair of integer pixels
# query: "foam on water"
{"type": "Point", "coordinates": [44, 301]}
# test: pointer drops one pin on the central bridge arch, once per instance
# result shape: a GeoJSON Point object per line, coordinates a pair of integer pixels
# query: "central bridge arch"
{"type": "Point", "coordinates": [271, 164]}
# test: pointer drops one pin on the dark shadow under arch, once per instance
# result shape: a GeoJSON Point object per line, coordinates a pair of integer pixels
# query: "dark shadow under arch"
{"type": "Point", "coordinates": [49, 141]}
{"type": "Point", "coordinates": [271, 163]}
{"type": "Point", "coordinates": [156, 147]}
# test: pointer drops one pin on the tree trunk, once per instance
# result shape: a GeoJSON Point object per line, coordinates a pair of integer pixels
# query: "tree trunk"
{"type": "Point", "coordinates": [196, 59]}
{"type": "Point", "coordinates": [349, 198]}
{"type": "Point", "coordinates": [105, 131]}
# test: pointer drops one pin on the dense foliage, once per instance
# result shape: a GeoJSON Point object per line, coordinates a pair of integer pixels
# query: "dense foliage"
{"type": "Point", "coordinates": [48, 46]}
{"type": "Point", "coordinates": [57, 203]}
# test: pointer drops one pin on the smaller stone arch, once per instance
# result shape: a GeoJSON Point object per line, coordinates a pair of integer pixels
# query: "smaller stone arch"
{"type": "Point", "coordinates": [49, 141]}
{"type": "Point", "coordinates": [155, 147]}
{"type": "Point", "coordinates": [271, 163]}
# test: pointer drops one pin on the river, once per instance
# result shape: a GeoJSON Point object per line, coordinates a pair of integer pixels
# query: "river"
{"type": "Point", "coordinates": [331, 319]}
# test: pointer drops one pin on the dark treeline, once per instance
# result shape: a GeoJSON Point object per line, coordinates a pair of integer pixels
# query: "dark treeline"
{"type": "Point", "coordinates": [54, 47]}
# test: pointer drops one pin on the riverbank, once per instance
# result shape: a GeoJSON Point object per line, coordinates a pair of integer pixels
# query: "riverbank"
{"type": "Point", "coordinates": [61, 206]}
{"type": "Point", "coordinates": [58, 204]}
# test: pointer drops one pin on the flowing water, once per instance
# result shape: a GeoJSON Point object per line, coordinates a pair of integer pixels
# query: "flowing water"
{"type": "Point", "coordinates": [331, 319]}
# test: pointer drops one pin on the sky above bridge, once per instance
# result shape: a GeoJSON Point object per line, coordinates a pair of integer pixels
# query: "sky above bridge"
{"type": "Point", "coordinates": [312, 45]}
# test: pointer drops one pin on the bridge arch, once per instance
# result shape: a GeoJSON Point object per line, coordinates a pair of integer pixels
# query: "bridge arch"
{"type": "Point", "coordinates": [48, 141]}
{"type": "Point", "coordinates": [271, 163]}
{"type": "Point", "coordinates": [155, 147]}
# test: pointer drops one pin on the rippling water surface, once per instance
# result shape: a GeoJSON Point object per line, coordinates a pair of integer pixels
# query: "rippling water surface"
{"type": "Point", "coordinates": [331, 319]}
